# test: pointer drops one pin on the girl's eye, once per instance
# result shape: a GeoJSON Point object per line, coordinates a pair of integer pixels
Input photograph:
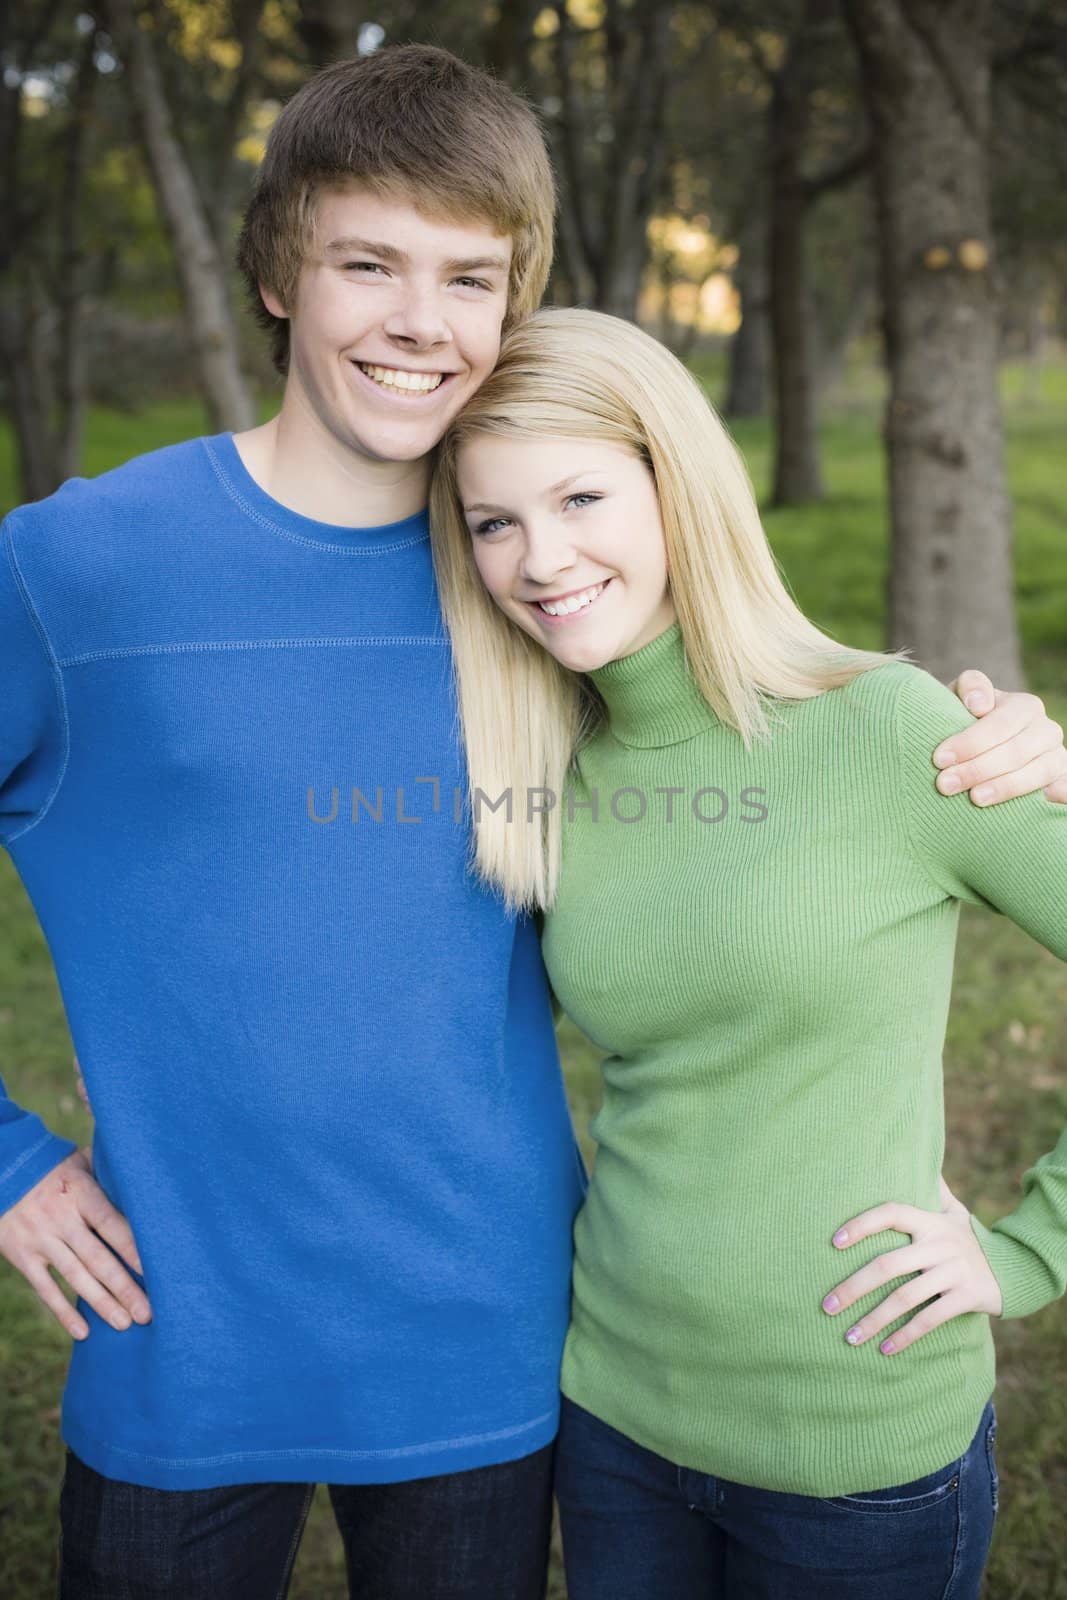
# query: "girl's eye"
{"type": "Point", "coordinates": [491, 524]}
{"type": "Point", "coordinates": [583, 495]}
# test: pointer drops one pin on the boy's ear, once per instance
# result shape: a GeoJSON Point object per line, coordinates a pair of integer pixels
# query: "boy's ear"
{"type": "Point", "coordinates": [271, 301]}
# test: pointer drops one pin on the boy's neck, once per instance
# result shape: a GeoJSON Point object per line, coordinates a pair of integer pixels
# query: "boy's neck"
{"type": "Point", "coordinates": [302, 466]}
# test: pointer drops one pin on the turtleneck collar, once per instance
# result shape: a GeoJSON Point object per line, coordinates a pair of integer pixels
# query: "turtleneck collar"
{"type": "Point", "coordinates": [652, 697]}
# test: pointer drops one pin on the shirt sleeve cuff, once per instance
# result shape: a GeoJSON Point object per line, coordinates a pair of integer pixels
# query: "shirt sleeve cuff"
{"type": "Point", "coordinates": [1027, 1283]}
{"type": "Point", "coordinates": [32, 1164]}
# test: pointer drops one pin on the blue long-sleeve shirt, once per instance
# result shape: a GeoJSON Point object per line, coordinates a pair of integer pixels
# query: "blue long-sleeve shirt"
{"type": "Point", "coordinates": [320, 1055]}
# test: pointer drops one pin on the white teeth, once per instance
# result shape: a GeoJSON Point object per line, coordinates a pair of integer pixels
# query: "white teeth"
{"type": "Point", "coordinates": [577, 602]}
{"type": "Point", "coordinates": [391, 378]}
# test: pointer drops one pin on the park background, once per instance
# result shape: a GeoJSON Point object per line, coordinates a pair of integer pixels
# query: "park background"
{"type": "Point", "coordinates": [848, 216]}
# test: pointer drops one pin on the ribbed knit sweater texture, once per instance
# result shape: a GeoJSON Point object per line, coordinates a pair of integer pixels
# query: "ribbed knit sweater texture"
{"type": "Point", "coordinates": [771, 984]}
{"type": "Point", "coordinates": [320, 1056]}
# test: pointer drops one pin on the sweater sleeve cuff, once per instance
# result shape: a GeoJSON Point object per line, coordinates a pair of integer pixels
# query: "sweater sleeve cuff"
{"type": "Point", "coordinates": [33, 1163]}
{"type": "Point", "coordinates": [1026, 1281]}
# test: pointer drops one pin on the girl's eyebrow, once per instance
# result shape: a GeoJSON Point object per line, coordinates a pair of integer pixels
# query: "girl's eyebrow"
{"type": "Point", "coordinates": [564, 483]}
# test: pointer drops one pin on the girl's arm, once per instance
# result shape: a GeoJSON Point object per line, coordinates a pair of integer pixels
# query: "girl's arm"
{"type": "Point", "coordinates": [1012, 859]}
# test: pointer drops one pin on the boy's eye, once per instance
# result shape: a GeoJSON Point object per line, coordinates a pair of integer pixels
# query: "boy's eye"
{"type": "Point", "coordinates": [376, 267]}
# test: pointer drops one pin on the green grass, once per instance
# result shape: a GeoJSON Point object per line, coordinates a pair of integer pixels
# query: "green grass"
{"type": "Point", "coordinates": [1006, 1053]}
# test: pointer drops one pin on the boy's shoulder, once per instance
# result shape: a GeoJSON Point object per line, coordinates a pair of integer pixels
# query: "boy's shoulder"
{"type": "Point", "coordinates": [110, 547]}
{"type": "Point", "coordinates": [116, 501]}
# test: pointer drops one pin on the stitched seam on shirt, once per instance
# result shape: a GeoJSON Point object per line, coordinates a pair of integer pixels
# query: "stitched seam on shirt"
{"type": "Point", "coordinates": [57, 681]}
{"type": "Point", "coordinates": [901, 805]}
{"type": "Point", "coordinates": [121, 651]}
{"type": "Point", "coordinates": [333, 1455]}
{"type": "Point", "coordinates": [238, 499]}
{"type": "Point", "coordinates": [10, 1171]}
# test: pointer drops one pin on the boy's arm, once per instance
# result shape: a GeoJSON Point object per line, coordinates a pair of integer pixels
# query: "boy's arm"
{"type": "Point", "coordinates": [32, 750]}
{"type": "Point", "coordinates": [53, 1213]}
{"type": "Point", "coordinates": [1012, 749]}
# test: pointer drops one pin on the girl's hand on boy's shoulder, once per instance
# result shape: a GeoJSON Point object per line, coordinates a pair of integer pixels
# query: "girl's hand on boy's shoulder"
{"type": "Point", "coordinates": [1013, 748]}
{"type": "Point", "coordinates": [951, 1272]}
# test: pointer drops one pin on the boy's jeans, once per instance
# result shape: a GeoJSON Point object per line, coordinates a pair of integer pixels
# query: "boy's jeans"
{"type": "Point", "coordinates": [635, 1525]}
{"type": "Point", "coordinates": [460, 1536]}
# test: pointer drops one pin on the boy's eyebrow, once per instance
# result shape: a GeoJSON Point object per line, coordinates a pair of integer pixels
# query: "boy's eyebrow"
{"type": "Point", "coordinates": [478, 264]}
{"type": "Point", "coordinates": [389, 252]}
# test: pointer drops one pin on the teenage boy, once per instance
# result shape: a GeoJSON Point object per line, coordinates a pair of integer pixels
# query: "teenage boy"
{"type": "Point", "coordinates": [331, 1137]}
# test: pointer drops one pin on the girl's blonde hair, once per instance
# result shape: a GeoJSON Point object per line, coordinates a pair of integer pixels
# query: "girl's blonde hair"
{"type": "Point", "coordinates": [523, 717]}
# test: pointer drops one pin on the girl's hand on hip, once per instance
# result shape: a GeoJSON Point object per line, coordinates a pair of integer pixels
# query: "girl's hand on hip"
{"type": "Point", "coordinates": [951, 1269]}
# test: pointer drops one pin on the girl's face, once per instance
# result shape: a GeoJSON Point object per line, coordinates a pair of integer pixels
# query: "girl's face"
{"type": "Point", "coordinates": [555, 521]}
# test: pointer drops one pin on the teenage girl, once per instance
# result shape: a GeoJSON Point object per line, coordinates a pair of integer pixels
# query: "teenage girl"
{"type": "Point", "coordinates": [777, 1380]}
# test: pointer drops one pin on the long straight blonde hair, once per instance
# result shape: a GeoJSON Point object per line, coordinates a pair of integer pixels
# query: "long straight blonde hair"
{"type": "Point", "coordinates": [523, 717]}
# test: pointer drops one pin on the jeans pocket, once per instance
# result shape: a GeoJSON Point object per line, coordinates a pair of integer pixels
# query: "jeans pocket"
{"type": "Point", "coordinates": [991, 1460]}
{"type": "Point", "coordinates": [918, 1495]}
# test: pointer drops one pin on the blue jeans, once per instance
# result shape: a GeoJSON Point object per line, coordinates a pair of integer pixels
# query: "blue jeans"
{"type": "Point", "coordinates": [459, 1536]}
{"type": "Point", "coordinates": [637, 1527]}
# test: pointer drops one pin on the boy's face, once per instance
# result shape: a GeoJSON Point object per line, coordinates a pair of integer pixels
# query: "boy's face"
{"type": "Point", "coordinates": [396, 323]}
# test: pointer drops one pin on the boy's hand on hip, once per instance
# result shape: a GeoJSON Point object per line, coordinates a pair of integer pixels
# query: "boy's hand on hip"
{"type": "Point", "coordinates": [60, 1223]}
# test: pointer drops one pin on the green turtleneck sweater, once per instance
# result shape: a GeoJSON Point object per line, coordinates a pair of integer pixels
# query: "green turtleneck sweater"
{"type": "Point", "coordinates": [772, 984]}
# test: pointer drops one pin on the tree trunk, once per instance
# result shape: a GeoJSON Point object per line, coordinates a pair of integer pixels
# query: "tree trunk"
{"type": "Point", "coordinates": [509, 39]}
{"type": "Point", "coordinates": [640, 151]}
{"type": "Point", "coordinates": [329, 30]}
{"type": "Point", "coordinates": [926, 64]}
{"type": "Point", "coordinates": [200, 268]}
{"type": "Point", "coordinates": [749, 351]}
{"type": "Point", "coordinates": [73, 375]}
{"type": "Point", "coordinates": [797, 468]}
{"type": "Point", "coordinates": [39, 473]}
{"type": "Point", "coordinates": [605, 206]}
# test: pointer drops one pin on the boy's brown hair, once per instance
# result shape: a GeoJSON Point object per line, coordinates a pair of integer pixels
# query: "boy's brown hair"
{"type": "Point", "coordinates": [413, 123]}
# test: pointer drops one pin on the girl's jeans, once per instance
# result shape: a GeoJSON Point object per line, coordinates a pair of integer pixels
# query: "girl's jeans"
{"type": "Point", "coordinates": [638, 1527]}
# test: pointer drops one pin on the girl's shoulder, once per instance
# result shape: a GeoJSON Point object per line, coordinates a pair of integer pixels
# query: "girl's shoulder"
{"type": "Point", "coordinates": [889, 712]}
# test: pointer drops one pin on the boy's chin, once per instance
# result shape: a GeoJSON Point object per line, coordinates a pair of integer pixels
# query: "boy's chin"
{"type": "Point", "coordinates": [401, 444]}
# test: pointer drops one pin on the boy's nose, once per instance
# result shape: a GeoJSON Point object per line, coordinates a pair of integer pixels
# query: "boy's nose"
{"type": "Point", "coordinates": [420, 322]}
